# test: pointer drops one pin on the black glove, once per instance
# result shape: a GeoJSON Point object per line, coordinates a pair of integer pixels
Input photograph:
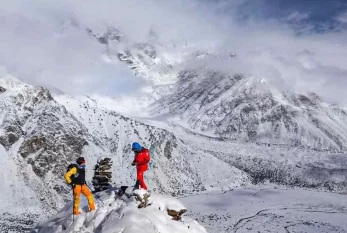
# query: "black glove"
{"type": "Point", "coordinates": [72, 185]}
{"type": "Point", "coordinates": [133, 163]}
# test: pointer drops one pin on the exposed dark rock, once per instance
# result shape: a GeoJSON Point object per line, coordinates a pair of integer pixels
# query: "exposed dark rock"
{"type": "Point", "coordinates": [8, 139]}
{"type": "Point", "coordinates": [32, 145]}
{"type": "Point", "coordinates": [176, 215]}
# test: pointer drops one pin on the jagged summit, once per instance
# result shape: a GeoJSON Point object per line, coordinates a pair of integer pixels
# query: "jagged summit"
{"type": "Point", "coordinates": [11, 83]}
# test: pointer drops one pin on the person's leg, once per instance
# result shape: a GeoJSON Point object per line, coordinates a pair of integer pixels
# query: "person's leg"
{"type": "Point", "coordinates": [86, 192]}
{"type": "Point", "coordinates": [140, 178]}
{"type": "Point", "coordinates": [137, 185]}
{"type": "Point", "coordinates": [77, 200]}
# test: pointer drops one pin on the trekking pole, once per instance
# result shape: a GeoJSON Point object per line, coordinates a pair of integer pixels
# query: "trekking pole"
{"type": "Point", "coordinates": [73, 205]}
{"type": "Point", "coordinates": [95, 194]}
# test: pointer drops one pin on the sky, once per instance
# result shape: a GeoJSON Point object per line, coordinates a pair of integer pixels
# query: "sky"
{"type": "Point", "coordinates": [297, 45]}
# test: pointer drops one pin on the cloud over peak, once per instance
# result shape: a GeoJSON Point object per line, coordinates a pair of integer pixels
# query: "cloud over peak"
{"type": "Point", "coordinates": [46, 42]}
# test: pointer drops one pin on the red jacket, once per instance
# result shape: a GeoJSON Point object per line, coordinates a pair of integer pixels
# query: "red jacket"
{"type": "Point", "coordinates": [142, 159]}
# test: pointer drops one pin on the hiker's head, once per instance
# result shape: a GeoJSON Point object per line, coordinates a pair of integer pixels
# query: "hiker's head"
{"type": "Point", "coordinates": [81, 162]}
{"type": "Point", "coordinates": [136, 147]}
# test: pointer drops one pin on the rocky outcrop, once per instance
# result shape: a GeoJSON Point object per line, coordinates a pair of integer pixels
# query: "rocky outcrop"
{"type": "Point", "coordinates": [2, 90]}
{"type": "Point", "coordinates": [176, 215]}
{"type": "Point", "coordinates": [11, 135]}
{"type": "Point", "coordinates": [111, 34]}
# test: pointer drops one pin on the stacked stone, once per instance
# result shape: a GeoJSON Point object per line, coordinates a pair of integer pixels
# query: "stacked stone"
{"type": "Point", "coordinates": [102, 174]}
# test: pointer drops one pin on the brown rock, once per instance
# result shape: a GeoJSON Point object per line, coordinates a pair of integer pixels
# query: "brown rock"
{"type": "Point", "coordinates": [176, 215]}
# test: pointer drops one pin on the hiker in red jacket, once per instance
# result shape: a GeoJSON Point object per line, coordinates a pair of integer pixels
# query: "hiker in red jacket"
{"type": "Point", "coordinates": [141, 161]}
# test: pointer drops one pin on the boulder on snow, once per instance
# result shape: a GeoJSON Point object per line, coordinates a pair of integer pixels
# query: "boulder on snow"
{"type": "Point", "coordinates": [176, 215]}
{"type": "Point", "coordinates": [2, 90]}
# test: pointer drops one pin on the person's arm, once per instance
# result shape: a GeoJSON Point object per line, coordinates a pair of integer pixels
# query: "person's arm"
{"type": "Point", "coordinates": [67, 175]}
{"type": "Point", "coordinates": [134, 161]}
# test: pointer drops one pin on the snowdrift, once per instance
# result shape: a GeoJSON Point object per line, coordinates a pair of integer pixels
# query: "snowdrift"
{"type": "Point", "coordinates": [121, 214]}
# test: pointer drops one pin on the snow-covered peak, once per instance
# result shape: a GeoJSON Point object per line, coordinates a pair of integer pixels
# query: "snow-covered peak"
{"type": "Point", "coordinates": [122, 215]}
{"type": "Point", "coordinates": [249, 109]}
{"type": "Point", "coordinates": [12, 84]}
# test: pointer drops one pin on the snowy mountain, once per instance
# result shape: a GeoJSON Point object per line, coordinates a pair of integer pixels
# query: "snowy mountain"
{"type": "Point", "coordinates": [40, 137]}
{"type": "Point", "coordinates": [211, 127]}
{"type": "Point", "coordinates": [218, 103]}
{"type": "Point", "coordinates": [250, 109]}
{"type": "Point", "coordinates": [276, 137]}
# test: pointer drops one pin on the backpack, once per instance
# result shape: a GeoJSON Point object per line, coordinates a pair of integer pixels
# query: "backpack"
{"type": "Point", "coordinates": [72, 177]}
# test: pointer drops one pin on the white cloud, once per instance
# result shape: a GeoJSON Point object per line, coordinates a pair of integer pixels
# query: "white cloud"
{"type": "Point", "coordinates": [38, 43]}
{"type": "Point", "coordinates": [297, 16]}
{"type": "Point", "coordinates": [46, 42]}
{"type": "Point", "coordinates": [342, 18]}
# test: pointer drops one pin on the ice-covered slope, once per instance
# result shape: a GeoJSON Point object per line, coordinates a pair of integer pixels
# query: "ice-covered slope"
{"type": "Point", "coordinates": [250, 109]}
{"type": "Point", "coordinates": [119, 215]}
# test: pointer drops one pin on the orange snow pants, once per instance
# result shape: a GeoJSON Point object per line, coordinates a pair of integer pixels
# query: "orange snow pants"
{"type": "Point", "coordinates": [82, 188]}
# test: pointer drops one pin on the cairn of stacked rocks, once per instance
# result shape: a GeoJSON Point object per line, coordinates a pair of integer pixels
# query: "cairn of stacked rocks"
{"type": "Point", "coordinates": [102, 174]}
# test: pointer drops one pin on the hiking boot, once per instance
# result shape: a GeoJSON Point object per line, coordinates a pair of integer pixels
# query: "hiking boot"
{"type": "Point", "coordinates": [77, 212]}
{"type": "Point", "coordinates": [92, 207]}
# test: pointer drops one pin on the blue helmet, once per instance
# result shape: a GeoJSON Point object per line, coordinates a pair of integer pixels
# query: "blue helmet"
{"type": "Point", "coordinates": [136, 146]}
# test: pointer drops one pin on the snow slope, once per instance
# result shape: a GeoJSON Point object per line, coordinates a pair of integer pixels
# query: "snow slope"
{"type": "Point", "coordinates": [253, 210]}
{"type": "Point", "coordinates": [119, 215]}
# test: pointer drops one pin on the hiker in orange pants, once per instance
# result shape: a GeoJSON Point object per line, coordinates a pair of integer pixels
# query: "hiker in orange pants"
{"type": "Point", "coordinates": [75, 176]}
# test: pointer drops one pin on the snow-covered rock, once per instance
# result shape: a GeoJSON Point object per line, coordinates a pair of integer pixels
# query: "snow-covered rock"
{"type": "Point", "coordinates": [120, 215]}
